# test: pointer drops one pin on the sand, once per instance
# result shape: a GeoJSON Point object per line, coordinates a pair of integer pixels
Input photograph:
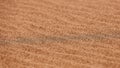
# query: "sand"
{"type": "Point", "coordinates": [59, 33]}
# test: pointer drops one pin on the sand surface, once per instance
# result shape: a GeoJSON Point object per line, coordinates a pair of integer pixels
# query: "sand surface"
{"type": "Point", "coordinates": [59, 33]}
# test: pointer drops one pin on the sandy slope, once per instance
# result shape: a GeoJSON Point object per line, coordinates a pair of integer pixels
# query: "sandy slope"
{"type": "Point", "coordinates": [59, 33]}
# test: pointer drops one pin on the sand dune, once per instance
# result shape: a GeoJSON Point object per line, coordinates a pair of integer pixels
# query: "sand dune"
{"type": "Point", "coordinates": [59, 33]}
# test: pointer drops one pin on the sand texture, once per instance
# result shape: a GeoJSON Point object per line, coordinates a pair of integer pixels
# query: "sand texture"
{"type": "Point", "coordinates": [59, 33]}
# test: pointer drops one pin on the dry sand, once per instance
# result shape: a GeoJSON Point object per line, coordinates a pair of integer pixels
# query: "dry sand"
{"type": "Point", "coordinates": [59, 33]}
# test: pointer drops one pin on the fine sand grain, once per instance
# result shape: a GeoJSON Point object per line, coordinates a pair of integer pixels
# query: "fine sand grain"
{"type": "Point", "coordinates": [59, 33]}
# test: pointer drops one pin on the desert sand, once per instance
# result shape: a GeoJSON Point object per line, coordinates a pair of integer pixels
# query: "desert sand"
{"type": "Point", "coordinates": [59, 33]}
